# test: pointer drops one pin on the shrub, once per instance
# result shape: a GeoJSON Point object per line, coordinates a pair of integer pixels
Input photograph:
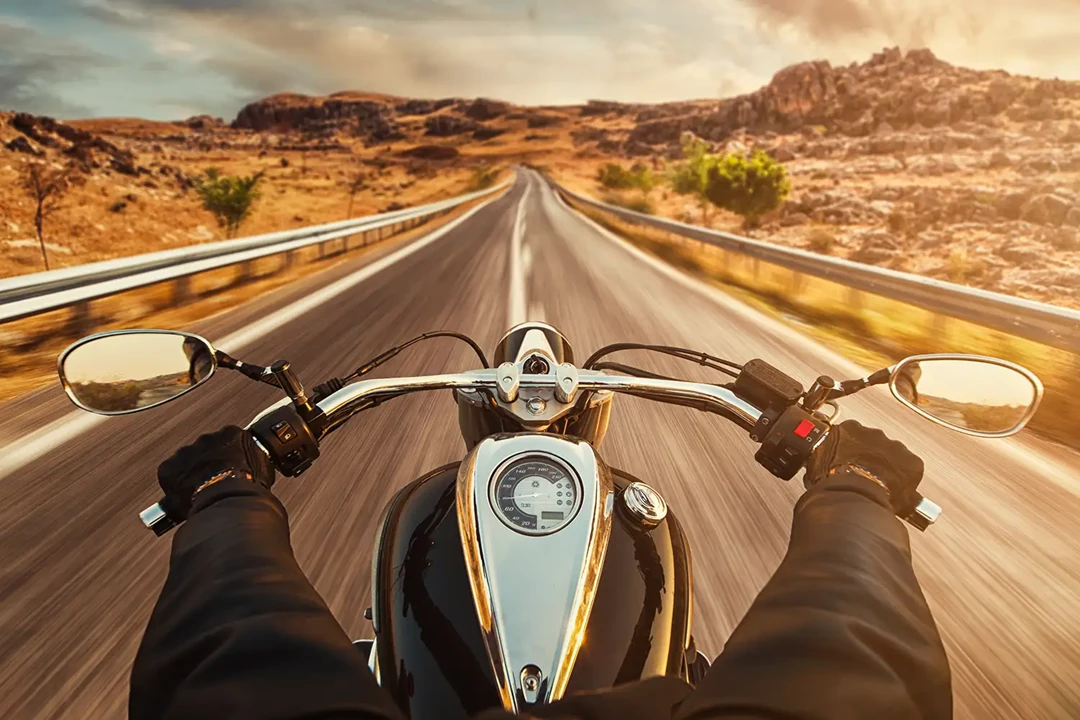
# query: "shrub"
{"type": "Point", "coordinates": [748, 185]}
{"type": "Point", "coordinates": [644, 180]}
{"type": "Point", "coordinates": [483, 178]}
{"type": "Point", "coordinates": [822, 242]}
{"type": "Point", "coordinates": [615, 176]}
{"type": "Point", "coordinates": [899, 222]}
{"type": "Point", "coordinates": [229, 198]}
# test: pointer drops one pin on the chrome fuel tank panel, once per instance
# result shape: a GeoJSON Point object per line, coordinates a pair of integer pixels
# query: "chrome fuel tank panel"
{"type": "Point", "coordinates": [533, 592]}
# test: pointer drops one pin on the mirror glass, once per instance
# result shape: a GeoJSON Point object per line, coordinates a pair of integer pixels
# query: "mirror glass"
{"type": "Point", "coordinates": [976, 396]}
{"type": "Point", "coordinates": [118, 373]}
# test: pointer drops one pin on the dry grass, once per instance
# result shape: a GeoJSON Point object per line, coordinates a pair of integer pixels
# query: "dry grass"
{"type": "Point", "coordinates": [870, 330]}
{"type": "Point", "coordinates": [28, 348]}
{"type": "Point", "coordinates": [157, 214]}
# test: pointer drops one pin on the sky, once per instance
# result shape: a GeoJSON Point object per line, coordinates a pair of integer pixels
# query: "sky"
{"type": "Point", "coordinates": [170, 59]}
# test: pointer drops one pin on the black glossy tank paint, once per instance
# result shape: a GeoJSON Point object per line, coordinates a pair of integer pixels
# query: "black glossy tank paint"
{"type": "Point", "coordinates": [431, 651]}
{"type": "Point", "coordinates": [431, 654]}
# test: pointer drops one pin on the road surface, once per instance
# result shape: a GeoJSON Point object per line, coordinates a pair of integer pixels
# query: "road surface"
{"type": "Point", "coordinates": [78, 573]}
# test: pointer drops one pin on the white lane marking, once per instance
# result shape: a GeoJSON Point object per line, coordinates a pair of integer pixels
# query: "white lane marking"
{"type": "Point", "coordinates": [517, 305]}
{"type": "Point", "coordinates": [41, 442]}
{"type": "Point", "coordinates": [526, 259]}
{"type": "Point", "coordinates": [1013, 448]}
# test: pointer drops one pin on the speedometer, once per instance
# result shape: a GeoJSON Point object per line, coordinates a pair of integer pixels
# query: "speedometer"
{"type": "Point", "coordinates": [536, 495]}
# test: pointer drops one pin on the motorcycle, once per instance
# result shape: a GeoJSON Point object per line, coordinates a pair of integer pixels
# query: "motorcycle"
{"type": "Point", "coordinates": [531, 569]}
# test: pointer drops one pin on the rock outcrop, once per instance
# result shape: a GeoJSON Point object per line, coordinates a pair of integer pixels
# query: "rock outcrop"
{"type": "Point", "coordinates": [892, 91]}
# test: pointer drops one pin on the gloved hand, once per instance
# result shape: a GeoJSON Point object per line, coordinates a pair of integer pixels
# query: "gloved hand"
{"type": "Point", "coordinates": [870, 451]}
{"type": "Point", "coordinates": [192, 466]}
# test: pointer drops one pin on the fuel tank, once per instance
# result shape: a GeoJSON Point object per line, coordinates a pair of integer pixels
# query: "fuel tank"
{"type": "Point", "coordinates": [431, 652]}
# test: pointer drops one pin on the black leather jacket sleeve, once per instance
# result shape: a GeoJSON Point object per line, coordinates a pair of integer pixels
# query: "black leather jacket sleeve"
{"type": "Point", "coordinates": [841, 631]}
{"type": "Point", "coordinates": [238, 631]}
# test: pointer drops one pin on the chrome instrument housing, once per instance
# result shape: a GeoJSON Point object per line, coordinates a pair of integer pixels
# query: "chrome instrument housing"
{"type": "Point", "coordinates": [533, 593]}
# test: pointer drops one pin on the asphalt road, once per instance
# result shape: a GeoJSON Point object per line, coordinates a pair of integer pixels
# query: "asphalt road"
{"type": "Point", "coordinates": [78, 573]}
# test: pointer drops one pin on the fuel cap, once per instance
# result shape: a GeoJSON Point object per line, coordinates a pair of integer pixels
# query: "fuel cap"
{"type": "Point", "coordinates": [644, 504]}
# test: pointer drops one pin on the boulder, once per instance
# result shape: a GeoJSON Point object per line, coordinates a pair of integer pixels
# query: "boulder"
{"type": "Point", "coordinates": [1039, 165]}
{"type": "Point", "coordinates": [1010, 204]}
{"type": "Point", "coordinates": [1063, 238]}
{"type": "Point", "coordinates": [483, 109]}
{"type": "Point", "coordinates": [793, 219]}
{"type": "Point", "coordinates": [448, 125]}
{"type": "Point", "coordinates": [1020, 253]}
{"type": "Point", "coordinates": [588, 134]}
{"type": "Point", "coordinates": [999, 159]}
{"type": "Point", "coordinates": [423, 107]}
{"type": "Point", "coordinates": [431, 152]}
{"type": "Point", "coordinates": [542, 121]}
{"type": "Point", "coordinates": [781, 153]}
{"type": "Point", "coordinates": [1046, 209]}
{"type": "Point", "coordinates": [22, 145]}
{"type": "Point", "coordinates": [604, 107]}
{"type": "Point", "coordinates": [486, 132]}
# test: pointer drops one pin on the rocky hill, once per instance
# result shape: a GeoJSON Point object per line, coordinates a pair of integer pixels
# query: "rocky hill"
{"type": "Point", "coordinates": [904, 161]}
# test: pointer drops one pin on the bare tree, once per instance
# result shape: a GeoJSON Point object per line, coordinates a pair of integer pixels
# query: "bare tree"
{"type": "Point", "coordinates": [45, 186]}
{"type": "Point", "coordinates": [357, 181]}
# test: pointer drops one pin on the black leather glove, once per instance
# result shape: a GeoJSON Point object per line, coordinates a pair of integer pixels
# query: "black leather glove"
{"type": "Point", "coordinates": [850, 446]}
{"type": "Point", "coordinates": [211, 458]}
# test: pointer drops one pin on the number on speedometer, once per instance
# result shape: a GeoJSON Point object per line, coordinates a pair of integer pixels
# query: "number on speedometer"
{"type": "Point", "coordinates": [536, 495]}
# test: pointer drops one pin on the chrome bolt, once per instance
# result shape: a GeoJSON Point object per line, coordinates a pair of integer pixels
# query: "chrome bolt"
{"type": "Point", "coordinates": [536, 405]}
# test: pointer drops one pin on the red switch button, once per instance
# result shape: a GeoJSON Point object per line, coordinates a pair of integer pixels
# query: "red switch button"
{"type": "Point", "coordinates": [804, 428]}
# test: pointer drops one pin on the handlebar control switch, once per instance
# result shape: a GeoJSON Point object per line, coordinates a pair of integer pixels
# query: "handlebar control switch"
{"type": "Point", "coordinates": [787, 440]}
{"type": "Point", "coordinates": [287, 439]}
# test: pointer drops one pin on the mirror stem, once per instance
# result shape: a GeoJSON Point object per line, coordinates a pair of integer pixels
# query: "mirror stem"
{"type": "Point", "coordinates": [850, 387]}
{"type": "Point", "coordinates": [255, 372]}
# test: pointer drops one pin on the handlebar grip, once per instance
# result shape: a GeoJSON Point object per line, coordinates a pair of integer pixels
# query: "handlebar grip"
{"type": "Point", "coordinates": [155, 518]}
{"type": "Point", "coordinates": [925, 514]}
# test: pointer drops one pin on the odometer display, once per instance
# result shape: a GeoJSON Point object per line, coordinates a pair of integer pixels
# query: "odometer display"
{"type": "Point", "coordinates": [535, 495]}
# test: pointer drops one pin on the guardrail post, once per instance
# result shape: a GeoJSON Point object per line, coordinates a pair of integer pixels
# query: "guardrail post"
{"type": "Point", "coordinates": [940, 329]}
{"type": "Point", "coordinates": [855, 301]}
{"type": "Point", "coordinates": [246, 271]}
{"type": "Point", "coordinates": [81, 321]}
{"type": "Point", "coordinates": [181, 290]}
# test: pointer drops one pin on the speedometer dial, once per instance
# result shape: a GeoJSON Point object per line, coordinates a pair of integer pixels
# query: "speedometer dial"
{"type": "Point", "coordinates": [536, 495]}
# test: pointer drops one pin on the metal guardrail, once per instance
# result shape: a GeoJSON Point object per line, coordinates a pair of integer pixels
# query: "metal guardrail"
{"type": "Point", "coordinates": [28, 295]}
{"type": "Point", "coordinates": [1047, 324]}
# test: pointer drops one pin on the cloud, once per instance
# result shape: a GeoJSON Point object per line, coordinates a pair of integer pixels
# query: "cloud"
{"type": "Point", "coordinates": [1039, 36]}
{"type": "Point", "coordinates": [529, 51]}
{"type": "Point", "coordinates": [32, 63]}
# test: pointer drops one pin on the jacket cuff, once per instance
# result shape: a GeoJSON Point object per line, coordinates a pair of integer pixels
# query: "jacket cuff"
{"type": "Point", "coordinates": [847, 480]}
{"type": "Point", "coordinates": [234, 487]}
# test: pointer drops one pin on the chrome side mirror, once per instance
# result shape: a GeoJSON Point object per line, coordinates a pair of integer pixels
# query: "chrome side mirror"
{"type": "Point", "coordinates": [122, 372]}
{"type": "Point", "coordinates": [976, 395]}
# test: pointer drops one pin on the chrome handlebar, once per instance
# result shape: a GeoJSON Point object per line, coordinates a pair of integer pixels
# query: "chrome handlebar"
{"type": "Point", "coordinates": [346, 402]}
{"type": "Point", "coordinates": [566, 381]}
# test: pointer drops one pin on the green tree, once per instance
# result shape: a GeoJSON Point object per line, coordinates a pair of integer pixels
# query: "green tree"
{"type": "Point", "coordinates": [229, 198]}
{"type": "Point", "coordinates": [643, 179]}
{"type": "Point", "coordinates": [691, 175]}
{"type": "Point", "coordinates": [748, 185]}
